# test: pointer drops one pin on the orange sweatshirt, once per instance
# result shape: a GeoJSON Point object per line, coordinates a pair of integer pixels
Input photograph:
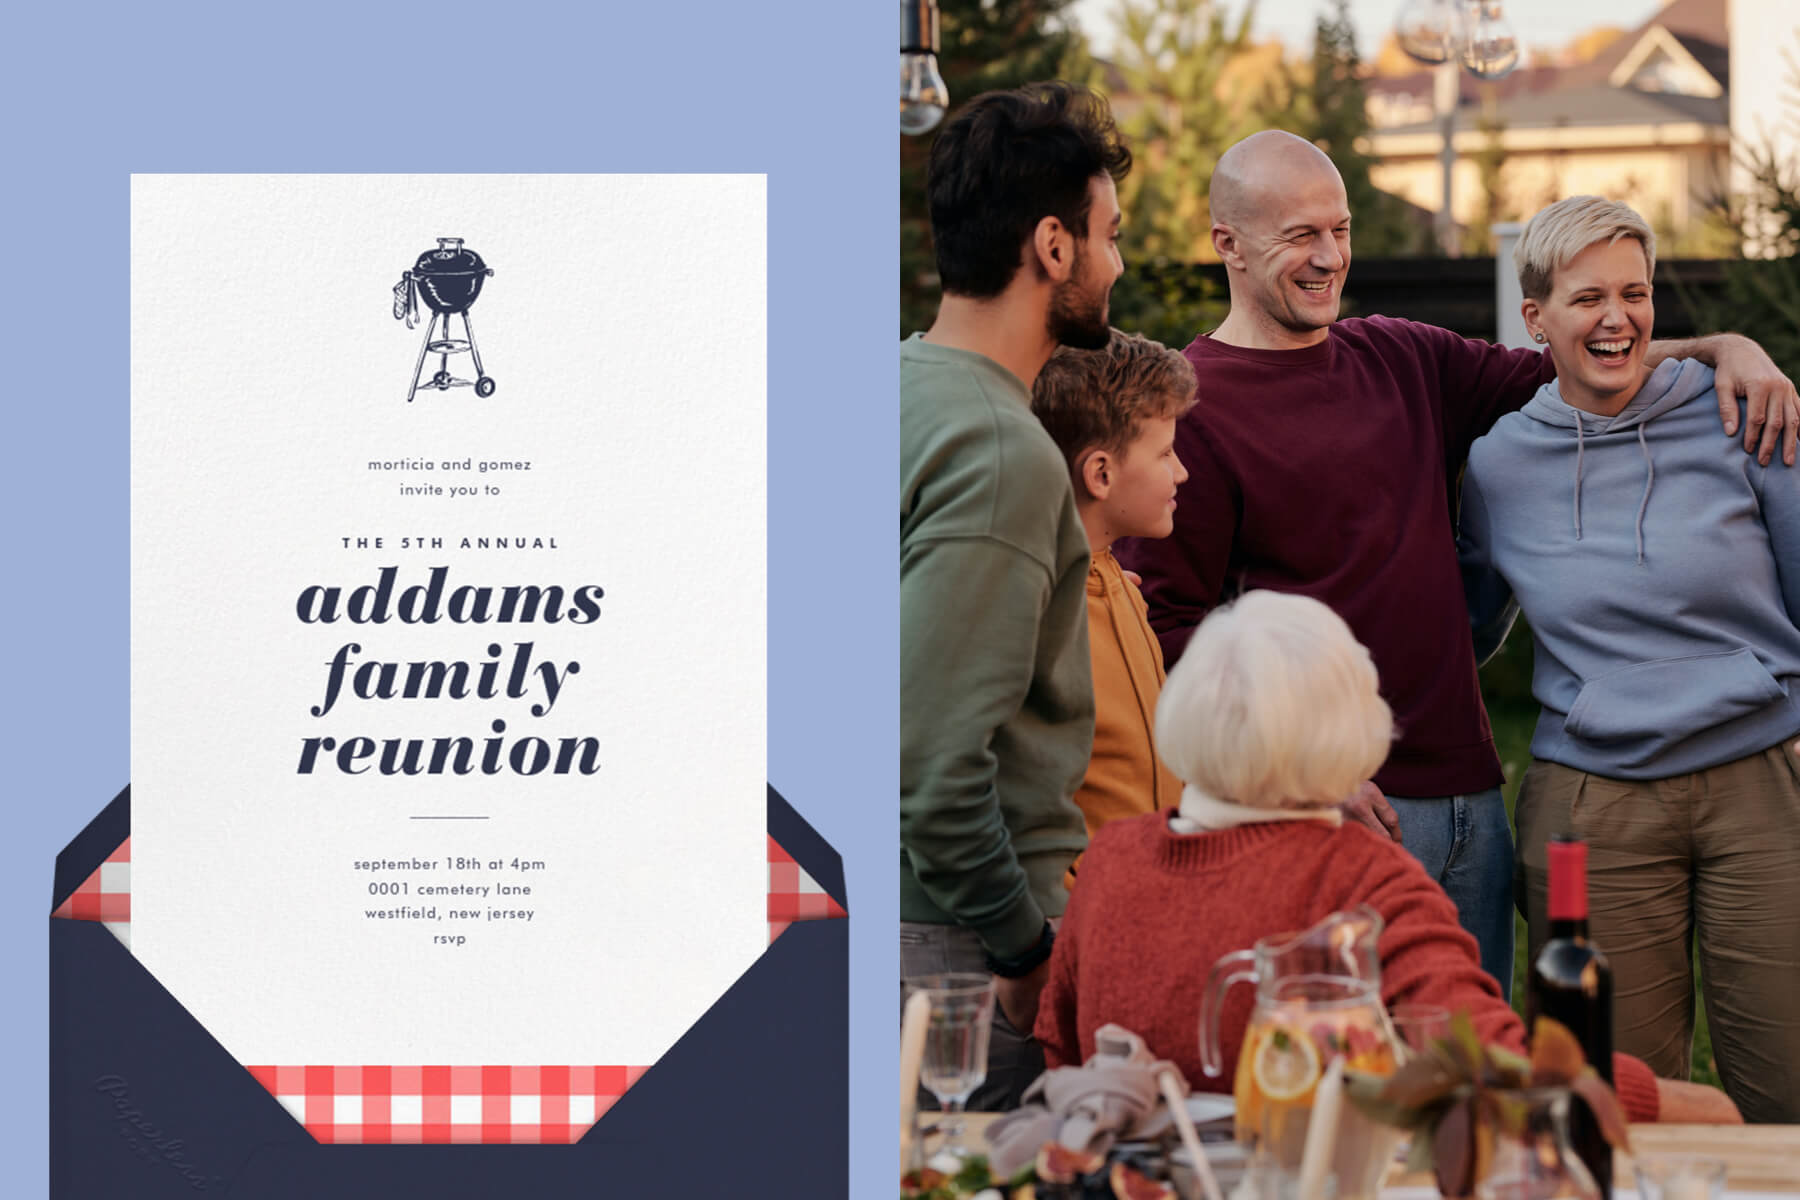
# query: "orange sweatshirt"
{"type": "Point", "coordinates": [1124, 777]}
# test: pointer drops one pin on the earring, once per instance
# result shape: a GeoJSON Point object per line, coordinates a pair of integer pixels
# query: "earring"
{"type": "Point", "coordinates": [1537, 337]}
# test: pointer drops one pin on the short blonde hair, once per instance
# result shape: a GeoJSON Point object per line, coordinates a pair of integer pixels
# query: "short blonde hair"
{"type": "Point", "coordinates": [1274, 704]}
{"type": "Point", "coordinates": [1097, 399]}
{"type": "Point", "coordinates": [1557, 234]}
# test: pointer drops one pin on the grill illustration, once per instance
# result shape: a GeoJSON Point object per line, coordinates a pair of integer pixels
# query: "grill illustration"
{"type": "Point", "coordinates": [448, 280]}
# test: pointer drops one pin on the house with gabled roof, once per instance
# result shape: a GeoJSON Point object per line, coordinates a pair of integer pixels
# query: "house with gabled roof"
{"type": "Point", "coordinates": [1646, 121]}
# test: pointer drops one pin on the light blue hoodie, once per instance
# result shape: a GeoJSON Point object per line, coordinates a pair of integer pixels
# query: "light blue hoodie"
{"type": "Point", "coordinates": [1659, 567]}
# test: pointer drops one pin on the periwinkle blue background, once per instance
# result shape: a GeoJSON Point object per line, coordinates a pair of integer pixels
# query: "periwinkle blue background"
{"type": "Point", "coordinates": [800, 89]}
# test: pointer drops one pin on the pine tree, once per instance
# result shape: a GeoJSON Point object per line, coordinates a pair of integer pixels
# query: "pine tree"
{"type": "Point", "coordinates": [1333, 114]}
{"type": "Point", "coordinates": [1761, 293]}
{"type": "Point", "coordinates": [1187, 85]}
{"type": "Point", "coordinates": [1172, 57]}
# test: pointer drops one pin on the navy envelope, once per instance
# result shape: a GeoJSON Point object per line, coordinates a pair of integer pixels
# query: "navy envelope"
{"type": "Point", "coordinates": [750, 1102]}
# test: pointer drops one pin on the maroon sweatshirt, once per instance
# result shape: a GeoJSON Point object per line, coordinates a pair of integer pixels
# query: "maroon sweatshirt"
{"type": "Point", "coordinates": [1331, 472]}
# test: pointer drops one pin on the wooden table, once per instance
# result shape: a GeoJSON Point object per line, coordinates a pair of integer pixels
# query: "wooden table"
{"type": "Point", "coordinates": [1759, 1158]}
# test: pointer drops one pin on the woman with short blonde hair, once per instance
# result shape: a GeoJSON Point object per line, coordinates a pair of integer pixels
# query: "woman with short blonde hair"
{"type": "Point", "coordinates": [1562, 231]}
{"type": "Point", "coordinates": [1659, 567]}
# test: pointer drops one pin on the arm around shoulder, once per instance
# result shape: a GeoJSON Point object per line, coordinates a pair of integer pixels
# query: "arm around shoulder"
{"type": "Point", "coordinates": [1741, 368]}
{"type": "Point", "coordinates": [1480, 382]}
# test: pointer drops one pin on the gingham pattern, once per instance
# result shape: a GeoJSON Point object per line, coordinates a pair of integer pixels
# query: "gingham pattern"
{"type": "Point", "coordinates": [443, 1104]}
{"type": "Point", "coordinates": [794, 895]}
{"type": "Point", "coordinates": [105, 895]}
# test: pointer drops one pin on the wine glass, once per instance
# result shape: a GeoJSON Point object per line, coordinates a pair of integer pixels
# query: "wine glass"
{"type": "Point", "coordinates": [1420, 1026]}
{"type": "Point", "coordinates": [956, 1044]}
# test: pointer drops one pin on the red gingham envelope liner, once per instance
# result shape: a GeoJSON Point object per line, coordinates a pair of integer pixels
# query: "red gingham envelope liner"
{"type": "Point", "coordinates": [443, 1104]}
{"type": "Point", "coordinates": [436, 1105]}
{"type": "Point", "coordinates": [794, 895]}
{"type": "Point", "coordinates": [105, 895]}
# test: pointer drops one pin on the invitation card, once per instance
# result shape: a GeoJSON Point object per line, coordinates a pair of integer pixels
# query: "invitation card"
{"type": "Point", "coordinates": [448, 612]}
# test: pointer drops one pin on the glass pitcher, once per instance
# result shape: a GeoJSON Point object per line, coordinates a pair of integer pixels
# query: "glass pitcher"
{"type": "Point", "coordinates": [1318, 997]}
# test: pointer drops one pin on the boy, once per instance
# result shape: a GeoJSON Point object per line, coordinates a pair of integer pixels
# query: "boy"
{"type": "Point", "coordinates": [1112, 412]}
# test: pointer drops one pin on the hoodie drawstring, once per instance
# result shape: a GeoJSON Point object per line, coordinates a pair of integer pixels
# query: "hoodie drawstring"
{"type": "Point", "coordinates": [1578, 450]}
{"type": "Point", "coordinates": [1649, 482]}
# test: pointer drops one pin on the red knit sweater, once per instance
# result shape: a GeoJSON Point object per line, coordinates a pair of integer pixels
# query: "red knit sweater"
{"type": "Point", "coordinates": [1153, 910]}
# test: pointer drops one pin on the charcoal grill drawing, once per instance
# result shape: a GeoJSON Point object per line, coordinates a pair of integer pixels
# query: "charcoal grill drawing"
{"type": "Point", "coordinates": [448, 280]}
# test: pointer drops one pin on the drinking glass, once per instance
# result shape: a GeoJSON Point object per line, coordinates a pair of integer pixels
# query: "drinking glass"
{"type": "Point", "coordinates": [956, 1044]}
{"type": "Point", "coordinates": [1420, 1025]}
{"type": "Point", "coordinates": [1673, 1177]}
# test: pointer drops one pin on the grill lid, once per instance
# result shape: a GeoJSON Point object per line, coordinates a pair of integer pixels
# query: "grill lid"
{"type": "Point", "coordinates": [450, 258]}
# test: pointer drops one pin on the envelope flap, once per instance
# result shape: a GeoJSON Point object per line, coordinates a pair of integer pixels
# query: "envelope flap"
{"type": "Point", "coordinates": [89, 848]}
{"type": "Point", "coordinates": [451, 1104]}
{"type": "Point", "coordinates": [127, 1057]}
{"type": "Point", "coordinates": [749, 1102]}
{"type": "Point", "coordinates": [804, 845]}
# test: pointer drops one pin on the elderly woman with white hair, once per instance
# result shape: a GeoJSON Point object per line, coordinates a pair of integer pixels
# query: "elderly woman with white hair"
{"type": "Point", "coordinates": [1271, 716]}
{"type": "Point", "coordinates": [1659, 568]}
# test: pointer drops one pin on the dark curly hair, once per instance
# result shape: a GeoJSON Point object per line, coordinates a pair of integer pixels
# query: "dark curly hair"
{"type": "Point", "coordinates": [1004, 163]}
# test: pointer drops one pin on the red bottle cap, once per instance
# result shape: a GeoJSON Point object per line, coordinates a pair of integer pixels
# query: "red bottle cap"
{"type": "Point", "coordinates": [1568, 879]}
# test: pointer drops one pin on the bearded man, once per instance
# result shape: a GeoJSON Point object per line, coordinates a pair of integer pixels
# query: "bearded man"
{"type": "Point", "coordinates": [996, 700]}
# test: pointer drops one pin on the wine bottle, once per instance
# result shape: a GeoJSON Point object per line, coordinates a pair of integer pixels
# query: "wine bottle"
{"type": "Point", "coordinates": [1571, 983]}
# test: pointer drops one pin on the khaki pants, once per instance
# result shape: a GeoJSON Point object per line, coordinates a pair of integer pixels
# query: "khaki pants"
{"type": "Point", "coordinates": [1715, 853]}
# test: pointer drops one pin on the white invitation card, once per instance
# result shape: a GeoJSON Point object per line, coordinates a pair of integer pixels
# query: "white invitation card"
{"type": "Point", "coordinates": [448, 610]}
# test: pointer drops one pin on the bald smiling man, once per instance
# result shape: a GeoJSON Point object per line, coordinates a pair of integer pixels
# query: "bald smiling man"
{"type": "Point", "coordinates": [1323, 457]}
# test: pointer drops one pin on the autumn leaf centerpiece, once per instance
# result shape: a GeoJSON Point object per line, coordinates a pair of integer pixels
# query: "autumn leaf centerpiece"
{"type": "Point", "coordinates": [1459, 1096]}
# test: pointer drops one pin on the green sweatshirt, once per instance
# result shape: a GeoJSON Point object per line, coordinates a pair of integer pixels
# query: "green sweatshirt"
{"type": "Point", "coordinates": [996, 698]}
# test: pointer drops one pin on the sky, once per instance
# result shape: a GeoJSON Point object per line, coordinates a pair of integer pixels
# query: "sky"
{"type": "Point", "coordinates": [1539, 22]}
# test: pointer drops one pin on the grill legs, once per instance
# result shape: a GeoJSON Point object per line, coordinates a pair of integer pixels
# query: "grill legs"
{"type": "Point", "coordinates": [444, 347]}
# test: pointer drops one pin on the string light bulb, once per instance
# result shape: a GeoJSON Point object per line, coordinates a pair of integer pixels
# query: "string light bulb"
{"type": "Point", "coordinates": [1429, 30]}
{"type": "Point", "coordinates": [1491, 48]}
{"type": "Point", "coordinates": [923, 97]}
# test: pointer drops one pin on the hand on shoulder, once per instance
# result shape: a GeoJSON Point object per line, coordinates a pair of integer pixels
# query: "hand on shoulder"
{"type": "Point", "coordinates": [1367, 806]}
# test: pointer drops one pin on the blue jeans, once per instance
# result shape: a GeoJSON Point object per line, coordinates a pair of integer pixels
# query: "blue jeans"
{"type": "Point", "coordinates": [1466, 845]}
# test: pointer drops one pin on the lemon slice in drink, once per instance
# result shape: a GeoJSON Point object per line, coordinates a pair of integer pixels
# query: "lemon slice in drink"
{"type": "Point", "coordinates": [1286, 1066]}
